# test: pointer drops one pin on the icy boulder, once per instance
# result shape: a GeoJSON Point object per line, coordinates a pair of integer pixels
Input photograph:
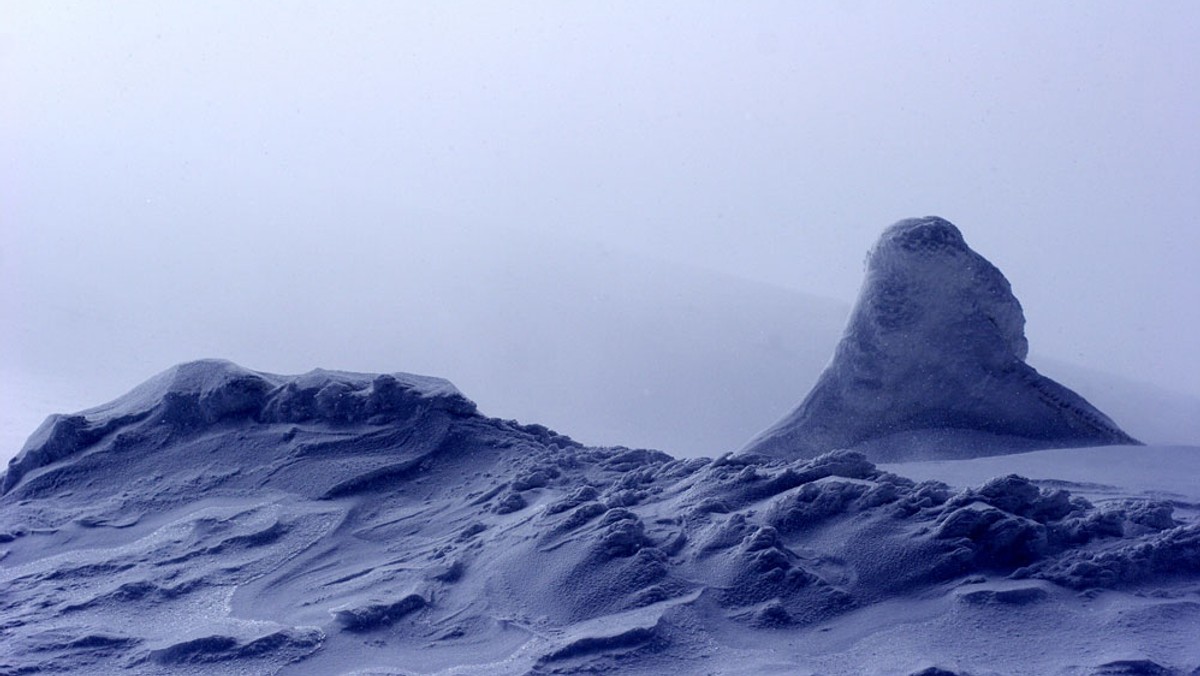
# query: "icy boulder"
{"type": "Point", "coordinates": [932, 363]}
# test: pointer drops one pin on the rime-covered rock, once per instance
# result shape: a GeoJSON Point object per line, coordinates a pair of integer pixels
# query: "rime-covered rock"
{"type": "Point", "coordinates": [932, 361]}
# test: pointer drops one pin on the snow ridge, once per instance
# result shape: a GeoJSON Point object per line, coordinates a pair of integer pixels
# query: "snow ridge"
{"type": "Point", "coordinates": [214, 391]}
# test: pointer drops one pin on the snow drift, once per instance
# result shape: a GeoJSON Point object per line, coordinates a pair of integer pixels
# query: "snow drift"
{"type": "Point", "coordinates": [221, 520]}
{"type": "Point", "coordinates": [932, 362]}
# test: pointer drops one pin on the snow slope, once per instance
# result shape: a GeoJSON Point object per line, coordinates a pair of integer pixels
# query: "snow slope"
{"type": "Point", "coordinates": [1151, 414]}
{"type": "Point", "coordinates": [222, 520]}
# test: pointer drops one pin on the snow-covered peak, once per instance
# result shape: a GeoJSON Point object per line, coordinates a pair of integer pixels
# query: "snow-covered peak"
{"type": "Point", "coordinates": [936, 342]}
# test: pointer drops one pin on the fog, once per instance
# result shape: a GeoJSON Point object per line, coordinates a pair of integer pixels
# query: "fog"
{"type": "Point", "coordinates": [441, 188]}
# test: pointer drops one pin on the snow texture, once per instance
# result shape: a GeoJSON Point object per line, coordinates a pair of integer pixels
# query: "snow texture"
{"type": "Point", "coordinates": [219, 520]}
{"type": "Point", "coordinates": [932, 362]}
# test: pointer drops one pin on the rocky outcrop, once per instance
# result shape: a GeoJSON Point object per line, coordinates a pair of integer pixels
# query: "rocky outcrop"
{"type": "Point", "coordinates": [933, 362]}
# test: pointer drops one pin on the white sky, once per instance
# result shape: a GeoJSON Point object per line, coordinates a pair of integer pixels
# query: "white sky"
{"type": "Point", "coordinates": [171, 173]}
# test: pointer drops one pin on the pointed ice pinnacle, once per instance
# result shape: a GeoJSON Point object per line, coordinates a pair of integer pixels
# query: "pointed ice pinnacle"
{"type": "Point", "coordinates": [932, 363]}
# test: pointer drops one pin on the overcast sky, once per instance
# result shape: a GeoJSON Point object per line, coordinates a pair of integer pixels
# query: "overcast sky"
{"type": "Point", "coordinates": [173, 175]}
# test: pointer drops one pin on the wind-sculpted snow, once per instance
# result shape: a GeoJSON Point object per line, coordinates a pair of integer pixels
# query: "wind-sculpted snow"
{"type": "Point", "coordinates": [932, 363]}
{"type": "Point", "coordinates": [209, 393]}
{"type": "Point", "coordinates": [219, 520]}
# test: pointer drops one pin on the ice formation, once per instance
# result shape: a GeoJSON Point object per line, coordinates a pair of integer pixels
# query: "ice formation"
{"type": "Point", "coordinates": [221, 520]}
{"type": "Point", "coordinates": [932, 362]}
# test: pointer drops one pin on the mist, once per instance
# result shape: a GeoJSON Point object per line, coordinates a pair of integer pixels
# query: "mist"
{"type": "Point", "coordinates": [476, 191]}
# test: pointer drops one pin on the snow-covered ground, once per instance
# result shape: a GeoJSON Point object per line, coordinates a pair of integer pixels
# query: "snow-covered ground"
{"type": "Point", "coordinates": [1103, 473]}
{"type": "Point", "coordinates": [219, 520]}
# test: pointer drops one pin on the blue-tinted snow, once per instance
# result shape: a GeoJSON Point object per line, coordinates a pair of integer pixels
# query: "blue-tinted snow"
{"type": "Point", "coordinates": [386, 525]}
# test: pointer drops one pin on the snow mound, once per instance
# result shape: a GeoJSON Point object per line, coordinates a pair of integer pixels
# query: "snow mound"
{"type": "Point", "coordinates": [932, 362]}
{"type": "Point", "coordinates": [220, 520]}
{"type": "Point", "coordinates": [211, 392]}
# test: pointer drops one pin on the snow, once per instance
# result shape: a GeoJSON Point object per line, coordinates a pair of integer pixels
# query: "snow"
{"type": "Point", "coordinates": [1096, 473]}
{"type": "Point", "coordinates": [935, 342]}
{"type": "Point", "coordinates": [222, 520]}
{"type": "Point", "coordinates": [211, 391]}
